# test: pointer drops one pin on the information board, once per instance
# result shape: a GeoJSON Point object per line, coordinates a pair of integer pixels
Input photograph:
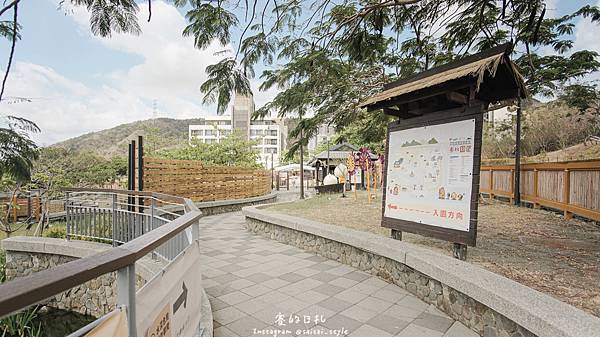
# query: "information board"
{"type": "Point", "coordinates": [430, 174]}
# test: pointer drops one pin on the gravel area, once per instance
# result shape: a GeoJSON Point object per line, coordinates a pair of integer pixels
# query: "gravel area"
{"type": "Point", "coordinates": [538, 248]}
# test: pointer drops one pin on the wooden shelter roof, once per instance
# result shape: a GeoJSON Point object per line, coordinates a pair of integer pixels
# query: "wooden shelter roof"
{"type": "Point", "coordinates": [489, 76]}
{"type": "Point", "coordinates": [337, 152]}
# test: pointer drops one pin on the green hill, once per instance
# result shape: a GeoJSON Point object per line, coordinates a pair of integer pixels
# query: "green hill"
{"type": "Point", "coordinates": [159, 133]}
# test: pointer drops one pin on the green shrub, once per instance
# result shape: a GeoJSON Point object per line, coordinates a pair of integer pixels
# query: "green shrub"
{"type": "Point", "coordinates": [57, 232]}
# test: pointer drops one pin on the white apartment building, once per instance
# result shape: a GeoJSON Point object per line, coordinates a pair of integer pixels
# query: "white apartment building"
{"type": "Point", "coordinates": [269, 133]}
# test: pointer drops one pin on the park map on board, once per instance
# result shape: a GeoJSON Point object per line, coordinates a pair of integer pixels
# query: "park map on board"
{"type": "Point", "coordinates": [430, 174]}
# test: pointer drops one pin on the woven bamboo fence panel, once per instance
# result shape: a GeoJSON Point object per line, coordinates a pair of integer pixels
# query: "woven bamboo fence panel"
{"type": "Point", "coordinates": [503, 181]}
{"type": "Point", "coordinates": [572, 187]}
{"type": "Point", "coordinates": [191, 179]}
{"type": "Point", "coordinates": [527, 182]}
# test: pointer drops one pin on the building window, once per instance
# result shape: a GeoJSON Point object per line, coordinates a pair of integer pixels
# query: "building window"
{"type": "Point", "coordinates": [270, 141]}
{"type": "Point", "coordinates": [270, 150]}
{"type": "Point", "coordinates": [225, 133]}
{"type": "Point", "coordinates": [273, 132]}
{"type": "Point", "coordinates": [210, 132]}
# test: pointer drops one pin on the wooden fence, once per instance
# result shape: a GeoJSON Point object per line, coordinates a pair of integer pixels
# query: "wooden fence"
{"type": "Point", "coordinates": [571, 187]}
{"type": "Point", "coordinates": [198, 182]}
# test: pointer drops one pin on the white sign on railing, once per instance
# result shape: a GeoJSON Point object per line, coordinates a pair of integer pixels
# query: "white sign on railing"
{"type": "Point", "coordinates": [169, 305]}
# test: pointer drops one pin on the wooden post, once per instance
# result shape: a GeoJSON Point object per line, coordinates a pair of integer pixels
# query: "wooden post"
{"type": "Point", "coordinates": [277, 181]}
{"type": "Point", "coordinates": [287, 180]}
{"type": "Point", "coordinates": [301, 165]}
{"type": "Point", "coordinates": [517, 175]}
{"type": "Point", "coordinates": [567, 193]}
{"type": "Point", "coordinates": [512, 185]}
{"type": "Point", "coordinates": [459, 251]}
{"type": "Point", "coordinates": [140, 172]}
{"type": "Point", "coordinates": [535, 188]}
{"type": "Point", "coordinates": [396, 234]}
{"type": "Point", "coordinates": [491, 183]}
{"type": "Point", "coordinates": [375, 181]}
{"type": "Point", "coordinates": [368, 182]}
{"type": "Point", "coordinates": [14, 208]}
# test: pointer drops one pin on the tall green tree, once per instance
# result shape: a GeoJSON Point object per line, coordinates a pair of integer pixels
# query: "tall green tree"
{"type": "Point", "coordinates": [233, 150]}
{"type": "Point", "coordinates": [326, 56]}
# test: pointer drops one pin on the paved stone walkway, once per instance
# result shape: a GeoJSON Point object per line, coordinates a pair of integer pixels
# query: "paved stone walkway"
{"type": "Point", "coordinates": [256, 286]}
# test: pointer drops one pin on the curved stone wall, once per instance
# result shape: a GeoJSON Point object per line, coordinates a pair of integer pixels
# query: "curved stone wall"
{"type": "Point", "coordinates": [489, 304]}
{"type": "Point", "coordinates": [26, 255]}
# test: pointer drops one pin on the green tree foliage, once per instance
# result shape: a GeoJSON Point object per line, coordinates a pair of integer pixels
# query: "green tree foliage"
{"type": "Point", "coordinates": [57, 168]}
{"type": "Point", "coordinates": [233, 150]}
{"type": "Point", "coordinates": [17, 150]}
{"type": "Point", "coordinates": [546, 128]}
{"type": "Point", "coordinates": [327, 56]}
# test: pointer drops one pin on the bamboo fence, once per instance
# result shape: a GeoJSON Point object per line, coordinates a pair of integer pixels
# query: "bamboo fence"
{"type": "Point", "coordinates": [571, 187]}
{"type": "Point", "coordinates": [198, 182]}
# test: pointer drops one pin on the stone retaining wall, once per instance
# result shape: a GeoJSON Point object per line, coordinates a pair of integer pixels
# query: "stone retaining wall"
{"type": "Point", "coordinates": [97, 297]}
{"type": "Point", "coordinates": [225, 206]}
{"type": "Point", "coordinates": [433, 278]}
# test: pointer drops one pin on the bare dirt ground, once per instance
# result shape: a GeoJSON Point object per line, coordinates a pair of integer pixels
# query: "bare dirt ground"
{"type": "Point", "coordinates": [537, 248]}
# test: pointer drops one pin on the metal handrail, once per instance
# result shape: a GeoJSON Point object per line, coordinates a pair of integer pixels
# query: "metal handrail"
{"type": "Point", "coordinates": [26, 291]}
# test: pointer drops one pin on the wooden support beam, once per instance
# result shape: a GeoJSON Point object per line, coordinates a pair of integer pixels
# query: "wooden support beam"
{"type": "Point", "coordinates": [456, 97]}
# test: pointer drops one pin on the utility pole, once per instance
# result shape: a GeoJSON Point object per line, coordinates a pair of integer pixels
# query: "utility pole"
{"type": "Point", "coordinates": [517, 179]}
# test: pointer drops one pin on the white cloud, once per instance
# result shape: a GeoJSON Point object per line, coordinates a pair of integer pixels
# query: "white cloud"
{"type": "Point", "coordinates": [586, 35]}
{"type": "Point", "coordinates": [171, 73]}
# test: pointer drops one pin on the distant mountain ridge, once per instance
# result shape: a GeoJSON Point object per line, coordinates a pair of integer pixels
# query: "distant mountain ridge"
{"type": "Point", "coordinates": [160, 133]}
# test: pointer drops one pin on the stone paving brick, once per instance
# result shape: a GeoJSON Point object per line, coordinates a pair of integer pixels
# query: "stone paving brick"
{"type": "Point", "coordinates": [368, 330]}
{"type": "Point", "coordinates": [245, 326]}
{"type": "Point", "coordinates": [240, 284]}
{"type": "Point", "coordinates": [413, 330]}
{"type": "Point", "coordinates": [335, 304]}
{"type": "Point", "coordinates": [413, 303]}
{"type": "Point", "coordinates": [329, 289]}
{"type": "Point", "coordinates": [307, 272]}
{"type": "Point", "coordinates": [388, 295]}
{"type": "Point", "coordinates": [460, 330]}
{"type": "Point", "coordinates": [227, 315]}
{"type": "Point", "coordinates": [256, 290]}
{"type": "Point", "coordinates": [358, 276]}
{"type": "Point", "coordinates": [252, 306]}
{"type": "Point", "coordinates": [403, 312]}
{"type": "Point", "coordinates": [392, 325]}
{"type": "Point", "coordinates": [324, 276]}
{"type": "Point", "coordinates": [225, 278]}
{"type": "Point", "coordinates": [359, 313]}
{"type": "Point", "coordinates": [311, 296]}
{"type": "Point", "coordinates": [343, 282]}
{"type": "Point", "coordinates": [258, 278]}
{"type": "Point", "coordinates": [234, 297]}
{"type": "Point", "coordinates": [275, 283]}
{"type": "Point", "coordinates": [224, 332]}
{"type": "Point", "coordinates": [433, 322]}
{"type": "Point", "coordinates": [291, 277]}
{"type": "Point", "coordinates": [219, 290]}
{"type": "Point", "coordinates": [217, 304]}
{"type": "Point", "coordinates": [374, 304]}
{"type": "Point", "coordinates": [340, 321]}
{"type": "Point", "coordinates": [250, 280]}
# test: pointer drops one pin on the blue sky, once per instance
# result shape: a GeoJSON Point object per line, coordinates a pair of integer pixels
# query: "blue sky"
{"type": "Point", "coordinates": [81, 83]}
